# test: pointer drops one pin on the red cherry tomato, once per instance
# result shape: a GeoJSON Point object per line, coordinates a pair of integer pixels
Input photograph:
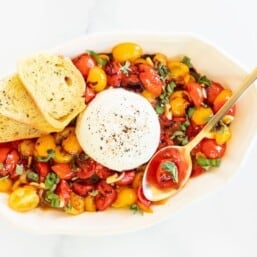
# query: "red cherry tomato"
{"type": "Point", "coordinates": [64, 191]}
{"type": "Point", "coordinates": [193, 130]}
{"type": "Point", "coordinates": [102, 172]}
{"type": "Point", "coordinates": [212, 91]}
{"type": "Point", "coordinates": [105, 197]}
{"type": "Point", "coordinates": [150, 79]}
{"type": "Point", "coordinates": [3, 153]}
{"type": "Point", "coordinates": [141, 197]}
{"type": "Point", "coordinates": [43, 169]}
{"type": "Point", "coordinates": [211, 149]}
{"type": "Point", "coordinates": [197, 170]}
{"type": "Point", "coordinates": [63, 170]}
{"type": "Point", "coordinates": [89, 94]}
{"type": "Point", "coordinates": [218, 105]}
{"type": "Point", "coordinates": [87, 169]}
{"type": "Point", "coordinates": [114, 74]}
{"type": "Point", "coordinates": [81, 188]}
{"type": "Point", "coordinates": [127, 179]}
{"type": "Point", "coordinates": [84, 63]}
{"type": "Point", "coordinates": [11, 161]}
{"type": "Point", "coordinates": [196, 93]}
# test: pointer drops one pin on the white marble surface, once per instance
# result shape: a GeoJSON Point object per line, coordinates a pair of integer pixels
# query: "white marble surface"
{"type": "Point", "coordinates": [224, 224]}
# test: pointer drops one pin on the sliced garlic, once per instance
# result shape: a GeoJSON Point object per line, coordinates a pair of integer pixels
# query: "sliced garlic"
{"type": "Point", "coordinates": [115, 177]}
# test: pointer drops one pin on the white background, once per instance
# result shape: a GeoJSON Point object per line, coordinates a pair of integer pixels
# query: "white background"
{"type": "Point", "coordinates": [225, 224]}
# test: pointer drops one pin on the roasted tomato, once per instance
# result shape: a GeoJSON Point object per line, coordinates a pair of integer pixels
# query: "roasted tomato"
{"type": "Point", "coordinates": [211, 149]}
{"type": "Point", "coordinates": [127, 179]}
{"type": "Point", "coordinates": [114, 74]}
{"type": "Point", "coordinates": [63, 170]}
{"type": "Point", "coordinates": [84, 63]}
{"type": "Point", "coordinates": [196, 93]}
{"type": "Point", "coordinates": [64, 191]}
{"type": "Point", "coordinates": [82, 188]}
{"type": "Point", "coordinates": [43, 169]}
{"type": "Point", "coordinates": [212, 91]}
{"type": "Point", "coordinates": [106, 196]}
{"type": "Point", "coordinates": [86, 169]}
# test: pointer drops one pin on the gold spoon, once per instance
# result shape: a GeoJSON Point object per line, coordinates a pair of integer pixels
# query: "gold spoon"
{"type": "Point", "coordinates": [154, 193]}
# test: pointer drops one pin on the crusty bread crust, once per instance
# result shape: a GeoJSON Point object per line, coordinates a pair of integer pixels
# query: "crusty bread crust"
{"type": "Point", "coordinates": [56, 87]}
{"type": "Point", "coordinates": [16, 104]}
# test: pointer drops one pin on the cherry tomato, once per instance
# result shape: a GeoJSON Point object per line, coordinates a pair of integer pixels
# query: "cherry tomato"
{"type": "Point", "coordinates": [211, 149]}
{"type": "Point", "coordinates": [212, 91]}
{"type": "Point", "coordinates": [102, 172]}
{"type": "Point", "coordinates": [193, 130]}
{"type": "Point", "coordinates": [114, 74]}
{"type": "Point", "coordinates": [3, 153]}
{"type": "Point", "coordinates": [150, 79]}
{"type": "Point", "coordinates": [81, 188]}
{"type": "Point", "coordinates": [141, 197]}
{"type": "Point", "coordinates": [89, 94]}
{"type": "Point", "coordinates": [106, 196]}
{"type": "Point", "coordinates": [197, 170]}
{"type": "Point", "coordinates": [84, 63]}
{"type": "Point", "coordinates": [63, 170]}
{"type": "Point", "coordinates": [10, 163]}
{"type": "Point", "coordinates": [64, 191]}
{"type": "Point", "coordinates": [87, 169]}
{"type": "Point", "coordinates": [127, 179]}
{"type": "Point", "coordinates": [196, 93]}
{"type": "Point", "coordinates": [43, 169]}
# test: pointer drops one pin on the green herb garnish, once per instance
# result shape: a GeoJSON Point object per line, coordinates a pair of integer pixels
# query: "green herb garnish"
{"type": "Point", "coordinates": [51, 181]}
{"type": "Point", "coordinates": [180, 137]}
{"type": "Point", "coordinates": [51, 154]}
{"type": "Point", "coordinates": [125, 68]}
{"type": "Point", "coordinates": [204, 80]}
{"type": "Point", "coordinates": [33, 176]}
{"type": "Point", "coordinates": [172, 169]}
{"type": "Point", "coordinates": [184, 125]}
{"type": "Point", "coordinates": [102, 62]}
{"type": "Point", "coordinates": [164, 98]}
{"type": "Point", "coordinates": [205, 162]}
{"type": "Point", "coordinates": [190, 112]}
{"type": "Point", "coordinates": [163, 71]}
{"type": "Point", "coordinates": [187, 61]}
{"type": "Point", "coordinates": [136, 209]}
{"type": "Point", "coordinates": [53, 199]}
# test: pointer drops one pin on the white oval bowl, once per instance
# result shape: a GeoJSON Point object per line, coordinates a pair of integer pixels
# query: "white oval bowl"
{"type": "Point", "coordinates": [209, 60]}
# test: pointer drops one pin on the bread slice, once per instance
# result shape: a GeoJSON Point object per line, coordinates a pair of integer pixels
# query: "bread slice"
{"type": "Point", "coordinates": [11, 130]}
{"type": "Point", "coordinates": [16, 104]}
{"type": "Point", "coordinates": [55, 85]}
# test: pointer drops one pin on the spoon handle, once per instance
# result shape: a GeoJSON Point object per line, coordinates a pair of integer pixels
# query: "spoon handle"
{"type": "Point", "coordinates": [247, 82]}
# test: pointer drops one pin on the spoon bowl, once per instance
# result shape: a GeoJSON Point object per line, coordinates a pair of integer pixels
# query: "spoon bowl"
{"type": "Point", "coordinates": [151, 189]}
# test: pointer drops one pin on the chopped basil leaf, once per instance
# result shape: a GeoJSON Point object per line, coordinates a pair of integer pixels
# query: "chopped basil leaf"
{"type": "Point", "coordinates": [205, 162]}
{"type": "Point", "coordinates": [190, 112]}
{"type": "Point", "coordinates": [204, 80]}
{"type": "Point", "coordinates": [187, 61]}
{"type": "Point", "coordinates": [136, 209]}
{"type": "Point", "coordinates": [53, 199]}
{"type": "Point", "coordinates": [1, 165]}
{"type": "Point", "coordinates": [180, 137]}
{"type": "Point", "coordinates": [172, 169]}
{"type": "Point", "coordinates": [19, 169]}
{"type": "Point", "coordinates": [159, 109]}
{"type": "Point", "coordinates": [51, 181]}
{"type": "Point", "coordinates": [163, 71]}
{"type": "Point", "coordinates": [184, 125]}
{"type": "Point", "coordinates": [102, 62]}
{"type": "Point", "coordinates": [125, 68]}
{"type": "Point", "coordinates": [33, 176]}
{"type": "Point", "coordinates": [51, 154]}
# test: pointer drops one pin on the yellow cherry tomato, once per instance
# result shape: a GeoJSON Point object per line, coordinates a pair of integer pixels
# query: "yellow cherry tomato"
{"type": "Point", "coordinates": [26, 147]}
{"type": "Point", "coordinates": [126, 52]}
{"type": "Point", "coordinates": [43, 145]}
{"type": "Point", "coordinates": [148, 95]}
{"type": "Point", "coordinates": [126, 196]}
{"type": "Point", "coordinates": [97, 78]}
{"type": "Point", "coordinates": [71, 144]}
{"type": "Point", "coordinates": [177, 69]}
{"type": "Point", "coordinates": [160, 58]}
{"type": "Point", "coordinates": [178, 106]}
{"type": "Point", "coordinates": [23, 199]}
{"type": "Point", "coordinates": [222, 135]}
{"type": "Point", "coordinates": [61, 156]}
{"type": "Point", "coordinates": [5, 185]}
{"type": "Point", "coordinates": [90, 203]}
{"type": "Point", "coordinates": [179, 93]}
{"type": "Point", "coordinates": [202, 115]}
{"type": "Point", "coordinates": [76, 205]}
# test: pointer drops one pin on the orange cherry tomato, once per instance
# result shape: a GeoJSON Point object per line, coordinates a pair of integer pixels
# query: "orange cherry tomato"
{"type": "Point", "coordinates": [63, 170]}
{"type": "Point", "coordinates": [196, 93]}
